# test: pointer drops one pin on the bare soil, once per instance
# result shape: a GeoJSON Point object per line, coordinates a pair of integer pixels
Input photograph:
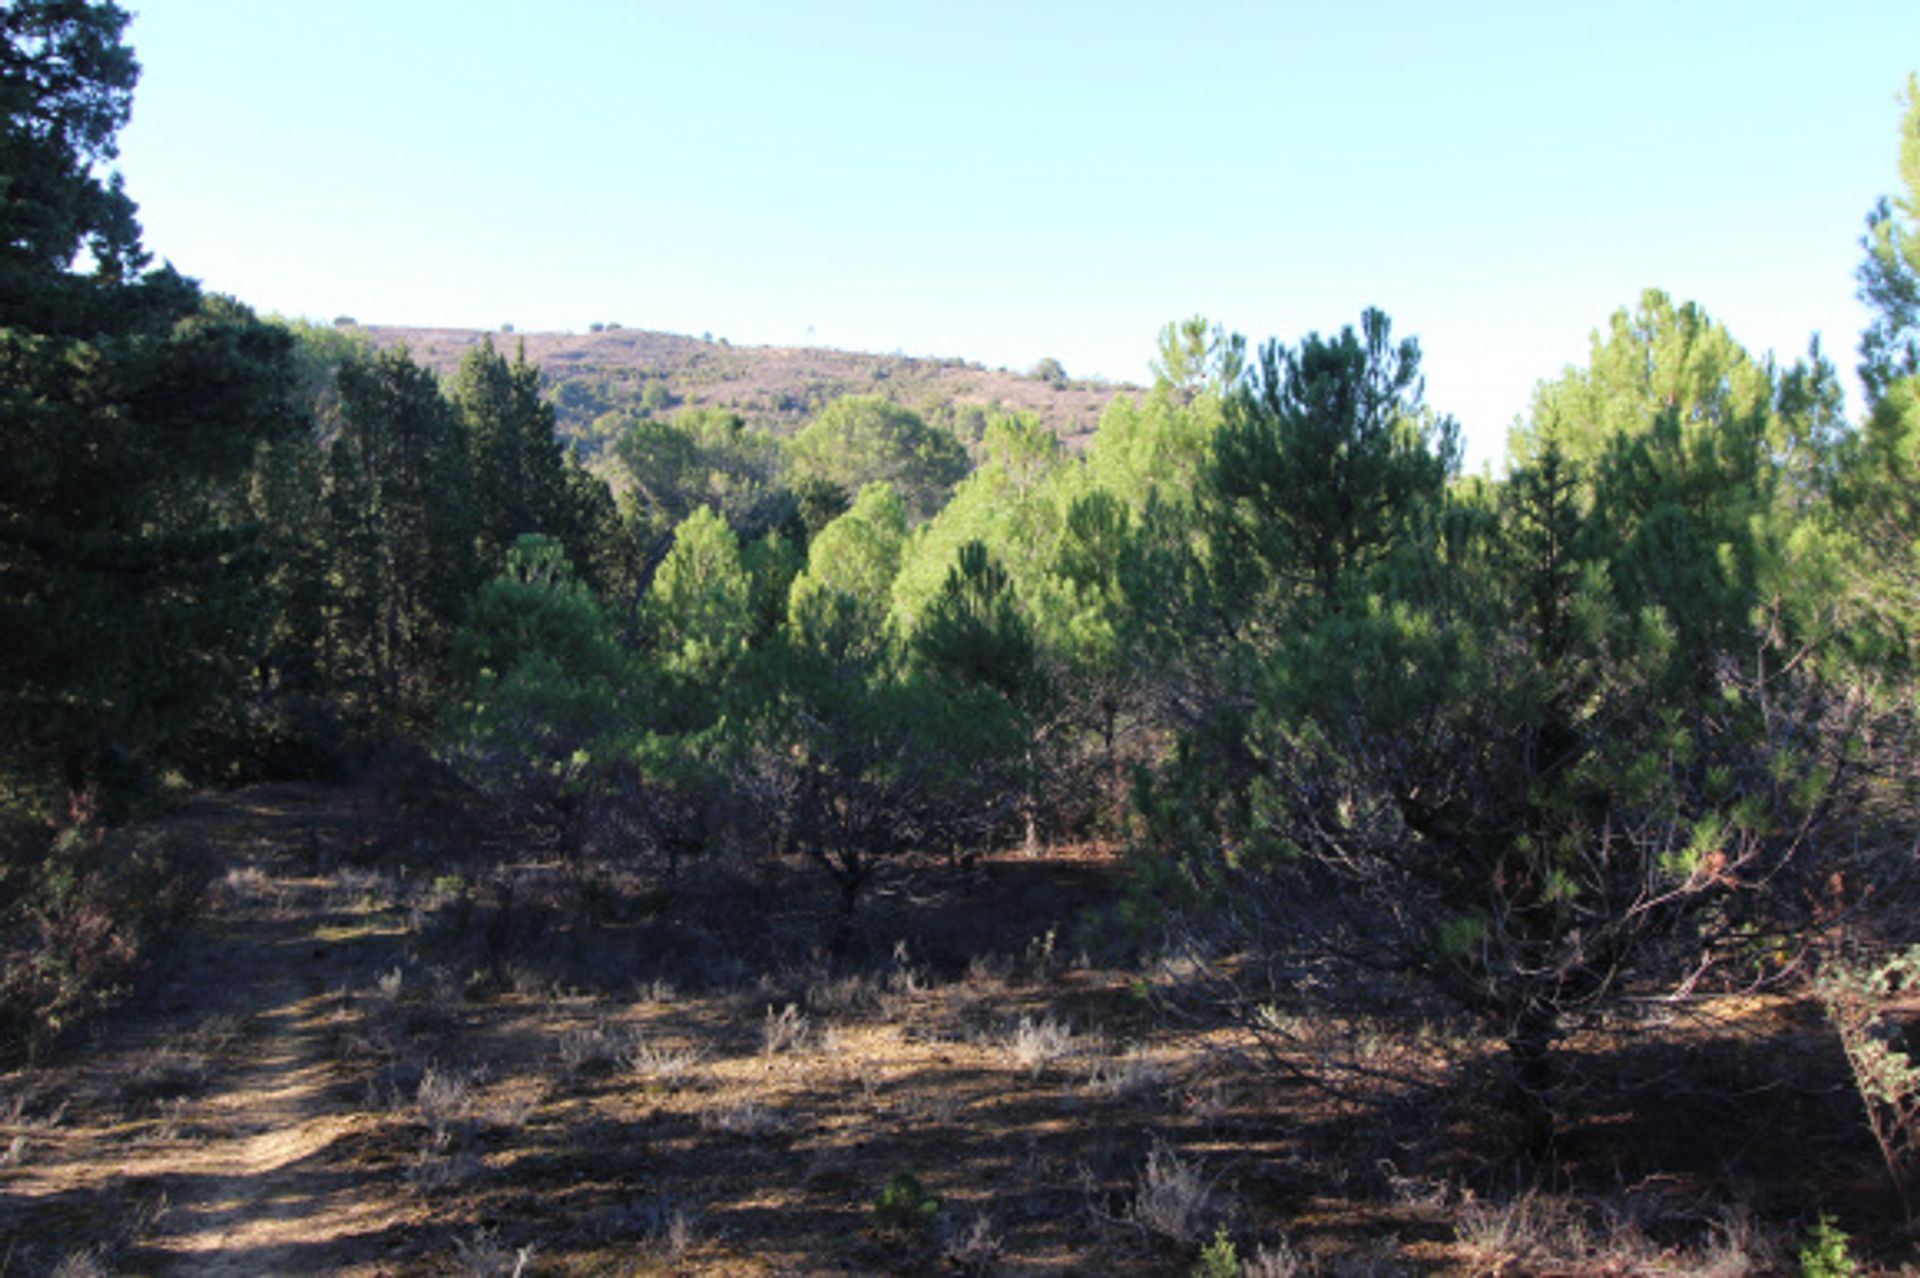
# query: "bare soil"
{"type": "Point", "coordinates": [415, 1042]}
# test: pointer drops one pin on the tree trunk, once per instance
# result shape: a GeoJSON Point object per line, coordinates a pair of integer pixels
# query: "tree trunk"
{"type": "Point", "coordinates": [1116, 790]}
{"type": "Point", "coordinates": [1030, 812]}
{"type": "Point", "coordinates": [656, 555]}
{"type": "Point", "coordinates": [1530, 1041]}
{"type": "Point", "coordinates": [846, 939]}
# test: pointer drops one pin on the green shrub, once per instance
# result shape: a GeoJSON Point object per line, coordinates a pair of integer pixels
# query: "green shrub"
{"type": "Point", "coordinates": [904, 1210]}
{"type": "Point", "coordinates": [1826, 1254]}
{"type": "Point", "coordinates": [1218, 1259]}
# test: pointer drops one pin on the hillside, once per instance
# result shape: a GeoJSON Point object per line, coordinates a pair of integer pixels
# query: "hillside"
{"type": "Point", "coordinates": [778, 387]}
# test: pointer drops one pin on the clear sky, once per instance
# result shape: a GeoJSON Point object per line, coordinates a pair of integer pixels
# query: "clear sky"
{"type": "Point", "coordinates": [1006, 181]}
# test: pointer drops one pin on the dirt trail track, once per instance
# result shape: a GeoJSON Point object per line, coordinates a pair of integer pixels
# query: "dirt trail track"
{"type": "Point", "coordinates": [208, 1131]}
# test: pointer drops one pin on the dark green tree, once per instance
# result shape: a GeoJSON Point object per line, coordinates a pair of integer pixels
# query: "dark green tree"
{"type": "Point", "coordinates": [1701, 464]}
{"type": "Point", "coordinates": [1091, 624]}
{"type": "Point", "coordinates": [519, 477]}
{"type": "Point", "coordinates": [973, 633]}
{"type": "Point", "coordinates": [543, 680]}
{"type": "Point", "coordinates": [66, 89]}
{"type": "Point", "coordinates": [1326, 461]}
{"type": "Point", "coordinates": [1325, 468]}
{"type": "Point", "coordinates": [699, 608]}
{"type": "Point", "coordinates": [401, 534]}
{"type": "Point", "coordinates": [133, 599]}
{"type": "Point", "coordinates": [1539, 754]}
{"type": "Point", "coordinates": [1890, 275]}
{"type": "Point", "coordinates": [700, 457]}
{"type": "Point", "coordinates": [975, 641]}
{"type": "Point", "coordinates": [854, 758]}
{"type": "Point", "coordinates": [1879, 489]}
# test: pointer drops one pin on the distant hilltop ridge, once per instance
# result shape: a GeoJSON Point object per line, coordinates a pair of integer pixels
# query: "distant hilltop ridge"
{"type": "Point", "coordinates": [626, 371]}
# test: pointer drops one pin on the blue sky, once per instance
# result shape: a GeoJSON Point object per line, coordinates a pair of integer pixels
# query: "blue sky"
{"type": "Point", "coordinates": [1003, 182]}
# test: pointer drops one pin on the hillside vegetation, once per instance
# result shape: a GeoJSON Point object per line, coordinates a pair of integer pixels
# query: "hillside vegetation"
{"type": "Point", "coordinates": [626, 371]}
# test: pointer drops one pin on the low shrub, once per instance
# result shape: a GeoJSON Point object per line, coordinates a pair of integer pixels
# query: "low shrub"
{"type": "Point", "coordinates": [80, 911]}
{"type": "Point", "coordinates": [1174, 1199]}
{"type": "Point", "coordinates": [1826, 1254]}
{"type": "Point", "coordinates": [904, 1210]}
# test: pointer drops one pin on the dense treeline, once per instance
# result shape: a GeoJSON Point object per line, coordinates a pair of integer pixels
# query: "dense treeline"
{"type": "Point", "coordinates": [1636, 715]}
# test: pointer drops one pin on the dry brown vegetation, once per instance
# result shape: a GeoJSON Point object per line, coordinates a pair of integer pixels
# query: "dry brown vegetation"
{"type": "Point", "coordinates": [424, 1045]}
{"type": "Point", "coordinates": [779, 388]}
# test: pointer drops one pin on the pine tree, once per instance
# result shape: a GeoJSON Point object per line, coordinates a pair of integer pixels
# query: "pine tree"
{"type": "Point", "coordinates": [401, 534]}
{"type": "Point", "coordinates": [133, 598]}
{"type": "Point", "coordinates": [1325, 462]}
{"type": "Point", "coordinates": [519, 477]}
{"type": "Point", "coordinates": [860, 439]}
{"type": "Point", "coordinates": [66, 90]}
{"type": "Point", "coordinates": [839, 604]}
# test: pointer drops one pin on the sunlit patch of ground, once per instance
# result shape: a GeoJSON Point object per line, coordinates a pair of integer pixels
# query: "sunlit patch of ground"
{"type": "Point", "coordinates": [372, 1060]}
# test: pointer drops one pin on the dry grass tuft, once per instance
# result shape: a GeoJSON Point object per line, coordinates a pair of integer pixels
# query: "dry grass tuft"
{"type": "Point", "coordinates": [89, 1262]}
{"type": "Point", "coordinates": [1034, 1045]}
{"type": "Point", "coordinates": [15, 1115]}
{"type": "Point", "coordinates": [748, 1120]}
{"type": "Point", "coordinates": [1277, 1261]}
{"type": "Point", "coordinates": [512, 1111]}
{"type": "Point", "coordinates": [1174, 1199]}
{"type": "Point", "coordinates": [853, 995]}
{"type": "Point", "coordinates": [669, 1230]}
{"type": "Point", "coordinates": [788, 1030]}
{"type": "Point", "coordinates": [165, 1072]}
{"type": "Point", "coordinates": [1535, 1232]}
{"type": "Point", "coordinates": [658, 1063]}
{"type": "Point", "coordinates": [592, 1050]}
{"type": "Point", "coordinates": [1131, 1076]}
{"type": "Point", "coordinates": [973, 1249]}
{"type": "Point", "coordinates": [444, 1100]}
{"type": "Point", "coordinates": [485, 1256]}
{"type": "Point", "coordinates": [657, 992]}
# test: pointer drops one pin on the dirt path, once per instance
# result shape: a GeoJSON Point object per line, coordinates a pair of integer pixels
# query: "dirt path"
{"type": "Point", "coordinates": [210, 1131]}
{"type": "Point", "coordinates": [402, 1041]}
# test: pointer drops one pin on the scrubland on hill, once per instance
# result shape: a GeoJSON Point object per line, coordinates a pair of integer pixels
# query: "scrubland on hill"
{"type": "Point", "coordinates": [622, 371]}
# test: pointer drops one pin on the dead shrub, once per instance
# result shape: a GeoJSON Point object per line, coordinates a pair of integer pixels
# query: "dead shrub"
{"type": "Point", "coordinates": [89, 1262]}
{"type": "Point", "coordinates": [748, 1120]}
{"type": "Point", "coordinates": [169, 1070]}
{"type": "Point", "coordinates": [1131, 1076]}
{"type": "Point", "coordinates": [485, 1256]}
{"type": "Point", "coordinates": [669, 1230]}
{"type": "Point", "coordinates": [1173, 1199]}
{"type": "Point", "coordinates": [1034, 1045]}
{"type": "Point", "coordinates": [444, 1102]}
{"type": "Point", "coordinates": [1866, 1003]}
{"type": "Point", "coordinates": [851, 995]}
{"type": "Point", "coordinates": [788, 1030]}
{"type": "Point", "coordinates": [1539, 1233]}
{"type": "Point", "coordinates": [658, 1063]}
{"type": "Point", "coordinates": [974, 1249]}
{"type": "Point", "coordinates": [592, 1050]}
